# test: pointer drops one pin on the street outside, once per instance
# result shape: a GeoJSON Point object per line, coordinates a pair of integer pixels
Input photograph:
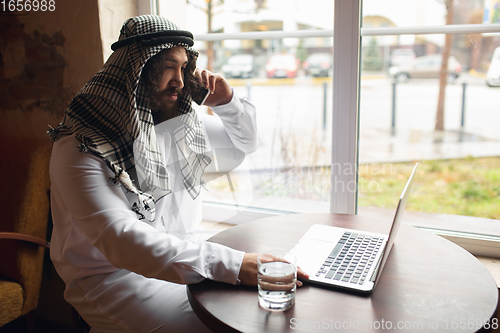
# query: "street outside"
{"type": "Point", "coordinates": [294, 135]}
{"type": "Point", "coordinates": [296, 106]}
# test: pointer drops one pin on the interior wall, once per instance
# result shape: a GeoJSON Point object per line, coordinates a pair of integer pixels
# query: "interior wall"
{"type": "Point", "coordinates": [45, 58]}
{"type": "Point", "coordinates": [112, 14]}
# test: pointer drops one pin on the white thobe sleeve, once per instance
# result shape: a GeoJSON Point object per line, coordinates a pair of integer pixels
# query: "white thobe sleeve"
{"type": "Point", "coordinates": [232, 133]}
{"type": "Point", "coordinates": [100, 209]}
{"type": "Point", "coordinates": [238, 120]}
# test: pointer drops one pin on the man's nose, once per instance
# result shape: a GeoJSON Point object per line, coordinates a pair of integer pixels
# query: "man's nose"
{"type": "Point", "coordinates": [178, 79]}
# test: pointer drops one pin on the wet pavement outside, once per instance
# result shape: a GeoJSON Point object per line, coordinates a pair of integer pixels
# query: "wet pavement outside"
{"type": "Point", "coordinates": [295, 136]}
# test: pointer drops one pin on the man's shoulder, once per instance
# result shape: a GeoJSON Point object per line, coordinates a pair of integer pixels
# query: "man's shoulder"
{"type": "Point", "coordinates": [65, 152]}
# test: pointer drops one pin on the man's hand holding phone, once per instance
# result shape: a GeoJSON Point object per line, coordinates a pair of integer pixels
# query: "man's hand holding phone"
{"type": "Point", "coordinates": [219, 90]}
{"type": "Point", "coordinates": [200, 95]}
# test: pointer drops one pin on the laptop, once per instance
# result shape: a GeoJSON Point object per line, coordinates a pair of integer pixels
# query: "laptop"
{"type": "Point", "coordinates": [348, 259]}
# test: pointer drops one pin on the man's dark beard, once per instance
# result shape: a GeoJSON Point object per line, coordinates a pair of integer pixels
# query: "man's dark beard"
{"type": "Point", "coordinates": [164, 111]}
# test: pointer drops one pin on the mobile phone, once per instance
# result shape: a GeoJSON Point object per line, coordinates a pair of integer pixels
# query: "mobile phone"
{"type": "Point", "coordinates": [200, 95]}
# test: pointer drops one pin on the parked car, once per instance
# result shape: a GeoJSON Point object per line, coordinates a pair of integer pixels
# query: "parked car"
{"type": "Point", "coordinates": [493, 74]}
{"type": "Point", "coordinates": [400, 56]}
{"type": "Point", "coordinates": [426, 67]}
{"type": "Point", "coordinates": [239, 66]}
{"type": "Point", "coordinates": [318, 64]}
{"type": "Point", "coordinates": [282, 65]}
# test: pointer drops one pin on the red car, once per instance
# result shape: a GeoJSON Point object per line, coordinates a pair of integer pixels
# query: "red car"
{"type": "Point", "coordinates": [282, 65]}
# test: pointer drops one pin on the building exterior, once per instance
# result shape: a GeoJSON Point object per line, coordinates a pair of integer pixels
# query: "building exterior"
{"type": "Point", "coordinates": [235, 16]}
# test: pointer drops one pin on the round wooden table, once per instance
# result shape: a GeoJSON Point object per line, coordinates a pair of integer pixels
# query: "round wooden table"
{"type": "Point", "coordinates": [428, 285]}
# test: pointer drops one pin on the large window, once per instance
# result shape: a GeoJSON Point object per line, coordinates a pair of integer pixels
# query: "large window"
{"type": "Point", "coordinates": [256, 45]}
{"type": "Point", "coordinates": [346, 130]}
{"type": "Point", "coordinates": [402, 97]}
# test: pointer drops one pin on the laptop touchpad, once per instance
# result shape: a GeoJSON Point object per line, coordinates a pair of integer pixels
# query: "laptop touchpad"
{"type": "Point", "coordinates": [310, 254]}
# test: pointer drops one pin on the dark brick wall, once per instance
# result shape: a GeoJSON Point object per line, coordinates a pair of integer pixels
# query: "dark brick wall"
{"type": "Point", "coordinates": [45, 58]}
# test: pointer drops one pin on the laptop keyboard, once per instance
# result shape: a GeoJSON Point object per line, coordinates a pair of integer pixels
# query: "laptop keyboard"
{"type": "Point", "coordinates": [352, 258]}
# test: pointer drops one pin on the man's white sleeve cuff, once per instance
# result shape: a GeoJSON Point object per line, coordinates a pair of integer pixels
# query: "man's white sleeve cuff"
{"type": "Point", "coordinates": [232, 109]}
{"type": "Point", "coordinates": [225, 264]}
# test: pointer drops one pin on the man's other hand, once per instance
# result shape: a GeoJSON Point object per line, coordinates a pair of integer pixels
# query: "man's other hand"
{"type": "Point", "coordinates": [248, 271]}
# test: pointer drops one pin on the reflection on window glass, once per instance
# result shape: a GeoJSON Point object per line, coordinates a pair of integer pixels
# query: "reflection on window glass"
{"type": "Point", "coordinates": [413, 13]}
{"type": "Point", "coordinates": [289, 82]}
{"type": "Point", "coordinates": [405, 94]}
{"type": "Point", "coordinates": [429, 98]}
{"type": "Point", "coordinates": [291, 89]}
{"type": "Point", "coordinates": [231, 16]}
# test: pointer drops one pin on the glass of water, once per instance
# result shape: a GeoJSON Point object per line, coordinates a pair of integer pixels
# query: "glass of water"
{"type": "Point", "coordinates": [276, 280]}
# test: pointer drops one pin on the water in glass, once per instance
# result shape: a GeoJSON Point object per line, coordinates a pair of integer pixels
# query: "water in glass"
{"type": "Point", "coordinates": [276, 285]}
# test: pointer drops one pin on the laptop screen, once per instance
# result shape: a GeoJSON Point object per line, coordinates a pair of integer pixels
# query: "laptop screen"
{"type": "Point", "coordinates": [397, 220]}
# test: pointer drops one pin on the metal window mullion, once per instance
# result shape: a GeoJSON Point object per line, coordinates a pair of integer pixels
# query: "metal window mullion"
{"type": "Point", "coordinates": [395, 31]}
{"type": "Point", "coordinates": [346, 48]}
{"type": "Point", "coordinates": [433, 30]}
{"type": "Point", "coordinates": [145, 7]}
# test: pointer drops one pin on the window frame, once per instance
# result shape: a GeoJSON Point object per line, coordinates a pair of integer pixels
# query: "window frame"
{"type": "Point", "coordinates": [145, 7]}
{"type": "Point", "coordinates": [347, 33]}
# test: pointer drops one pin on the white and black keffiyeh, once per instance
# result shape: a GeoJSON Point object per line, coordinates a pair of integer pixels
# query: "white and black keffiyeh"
{"type": "Point", "coordinates": [111, 116]}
